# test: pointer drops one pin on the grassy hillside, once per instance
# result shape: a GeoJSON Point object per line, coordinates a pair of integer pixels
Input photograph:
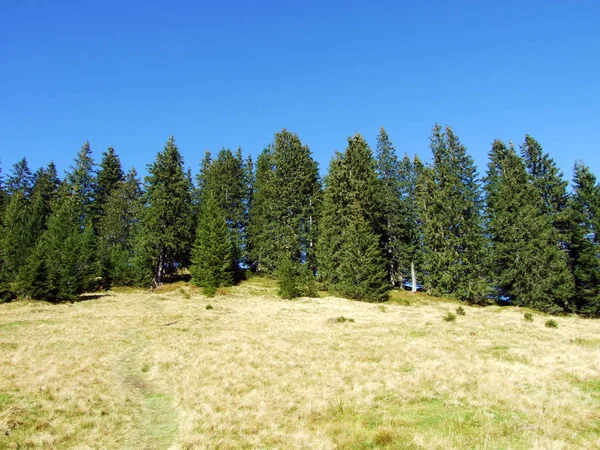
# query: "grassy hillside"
{"type": "Point", "coordinates": [139, 369]}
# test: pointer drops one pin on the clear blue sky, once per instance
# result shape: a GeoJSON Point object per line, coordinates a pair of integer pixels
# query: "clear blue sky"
{"type": "Point", "coordinates": [225, 74]}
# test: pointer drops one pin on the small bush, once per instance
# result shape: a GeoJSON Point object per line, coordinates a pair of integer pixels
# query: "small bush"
{"type": "Point", "coordinates": [209, 291]}
{"type": "Point", "coordinates": [449, 317]}
{"type": "Point", "coordinates": [551, 323]}
{"type": "Point", "coordinates": [460, 311]}
{"type": "Point", "coordinates": [209, 306]}
{"type": "Point", "coordinates": [342, 319]}
{"type": "Point", "coordinates": [528, 317]}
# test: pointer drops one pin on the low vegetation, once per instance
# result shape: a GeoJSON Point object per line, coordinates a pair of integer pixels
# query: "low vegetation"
{"type": "Point", "coordinates": [162, 369]}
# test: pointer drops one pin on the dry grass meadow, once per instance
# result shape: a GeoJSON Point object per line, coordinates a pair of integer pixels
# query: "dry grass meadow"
{"type": "Point", "coordinates": [158, 370]}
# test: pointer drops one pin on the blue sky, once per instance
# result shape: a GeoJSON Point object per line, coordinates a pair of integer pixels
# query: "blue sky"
{"type": "Point", "coordinates": [228, 74]}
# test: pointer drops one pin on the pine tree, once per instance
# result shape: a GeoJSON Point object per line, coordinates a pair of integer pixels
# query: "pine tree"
{"type": "Point", "coordinates": [82, 180]}
{"type": "Point", "coordinates": [362, 272]}
{"type": "Point", "coordinates": [286, 201]}
{"type": "Point", "coordinates": [584, 238]}
{"type": "Point", "coordinates": [388, 171]}
{"type": "Point", "coordinates": [25, 221]}
{"type": "Point", "coordinates": [409, 254]}
{"type": "Point", "coordinates": [63, 263]}
{"type": "Point", "coordinates": [20, 179]}
{"type": "Point", "coordinates": [212, 263]}
{"type": "Point", "coordinates": [450, 203]}
{"type": "Point", "coordinates": [526, 267]}
{"type": "Point", "coordinates": [168, 217]}
{"type": "Point", "coordinates": [224, 178]}
{"type": "Point", "coordinates": [262, 226]}
{"type": "Point", "coordinates": [350, 239]}
{"type": "Point", "coordinates": [2, 197]}
{"type": "Point", "coordinates": [14, 238]}
{"type": "Point", "coordinates": [109, 177]}
{"type": "Point", "coordinates": [117, 230]}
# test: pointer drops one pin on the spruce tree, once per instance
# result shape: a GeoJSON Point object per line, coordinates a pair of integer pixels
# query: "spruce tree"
{"type": "Point", "coordinates": [224, 178]}
{"type": "Point", "coordinates": [388, 172]}
{"type": "Point", "coordinates": [14, 236]}
{"type": "Point", "coordinates": [168, 217]}
{"type": "Point", "coordinates": [584, 238]}
{"type": "Point", "coordinates": [526, 267]}
{"type": "Point", "coordinates": [21, 179]}
{"type": "Point", "coordinates": [82, 179]}
{"type": "Point", "coordinates": [109, 177]}
{"type": "Point", "coordinates": [286, 199]}
{"type": "Point", "coordinates": [350, 251]}
{"type": "Point", "coordinates": [118, 226]}
{"type": "Point", "coordinates": [449, 196]}
{"type": "Point", "coordinates": [409, 254]}
{"type": "Point", "coordinates": [262, 222]}
{"type": "Point", "coordinates": [212, 263]}
{"type": "Point", "coordinates": [63, 263]}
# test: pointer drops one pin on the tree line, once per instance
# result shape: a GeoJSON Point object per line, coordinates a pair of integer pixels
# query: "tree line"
{"type": "Point", "coordinates": [376, 221]}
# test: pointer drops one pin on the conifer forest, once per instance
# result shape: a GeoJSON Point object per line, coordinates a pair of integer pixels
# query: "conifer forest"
{"type": "Point", "coordinates": [515, 232]}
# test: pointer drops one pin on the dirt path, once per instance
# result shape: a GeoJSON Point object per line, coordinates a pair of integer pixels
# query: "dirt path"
{"type": "Point", "coordinates": [155, 422]}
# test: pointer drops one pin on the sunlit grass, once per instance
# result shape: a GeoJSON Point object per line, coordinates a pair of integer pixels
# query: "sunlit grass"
{"type": "Point", "coordinates": [158, 369]}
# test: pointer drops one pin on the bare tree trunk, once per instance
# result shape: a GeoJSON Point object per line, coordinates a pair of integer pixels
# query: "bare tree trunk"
{"type": "Point", "coordinates": [413, 276]}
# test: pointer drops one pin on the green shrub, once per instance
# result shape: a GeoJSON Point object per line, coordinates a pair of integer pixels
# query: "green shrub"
{"type": "Point", "coordinates": [460, 311]}
{"type": "Point", "coordinates": [551, 323]}
{"type": "Point", "coordinates": [342, 319]}
{"type": "Point", "coordinates": [528, 317]}
{"type": "Point", "coordinates": [209, 306]}
{"type": "Point", "coordinates": [449, 317]}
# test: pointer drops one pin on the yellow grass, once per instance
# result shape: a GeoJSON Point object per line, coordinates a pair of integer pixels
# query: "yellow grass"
{"type": "Point", "coordinates": [140, 369]}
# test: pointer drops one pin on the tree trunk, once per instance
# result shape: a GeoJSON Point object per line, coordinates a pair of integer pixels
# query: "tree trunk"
{"type": "Point", "coordinates": [413, 276]}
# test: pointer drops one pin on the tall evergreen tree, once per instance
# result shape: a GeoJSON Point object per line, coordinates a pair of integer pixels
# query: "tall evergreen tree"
{"type": "Point", "coordinates": [584, 238]}
{"type": "Point", "coordinates": [212, 263]}
{"type": "Point", "coordinates": [286, 202]}
{"type": "Point", "coordinates": [82, 179]}
{"type": "Point", "coordinates": [450, 212]}
{"type": "Point", "coordinates": [118, 226]}
{"type": "Point", "coordinates": [167, 218]}
{"type": "Point", "coordinates": [352, 213]}
{"type": "Point", "coordinates": [388, 171]}
{"type": "Point", "coordinates": [20, 179]}
{"type": "Point", "coordinates": [409, 255]}
{"type": "Point", "coordinates": [109, 177]}
{"type": "Point", "coordinates": [263, 216]}
{"type": "Point", "coordinates": [63, 263]}
{"type": "Point", "coordinates": [525, 264]}
{"type": "Point", "coordinates": [224, 178]}
{"type": "Point", "coordinates": [14, 242]}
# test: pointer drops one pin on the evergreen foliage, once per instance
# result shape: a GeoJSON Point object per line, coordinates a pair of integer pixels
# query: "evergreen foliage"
{"type": "Point", "coordinates": [212, 263]}
{"type": "Point", "coordinates": [168, 216]}
{"type": "Point", "coordinates": [526, 266]}
{"type": "Point", "coordinates": [109, 177]}
{"type": "Point", "coordinates": [584, 238]}
{"type": "Point", "coordinates": [375, 221]}
{"type": "Point", "coordinates": [118, 226]}
{"type": "Point", "coordinates": [350, 253]}
{"type": "Point", "coordinates": [20, 179]}
{"type": "Point", "coordinates": [225, 179]}
{"type": "Point", "coordinates": [286, 203]}
{"type": "Point", "coordinates": [449, 196]}
{"type": "Point", "coordinates": [82, 179]}
{"type": "Point", "coordinates": [388, 172]}
{"type": "Point", "coordinates": [63, 263]}
{"type": "Point", "coordinates": [262, 226]}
